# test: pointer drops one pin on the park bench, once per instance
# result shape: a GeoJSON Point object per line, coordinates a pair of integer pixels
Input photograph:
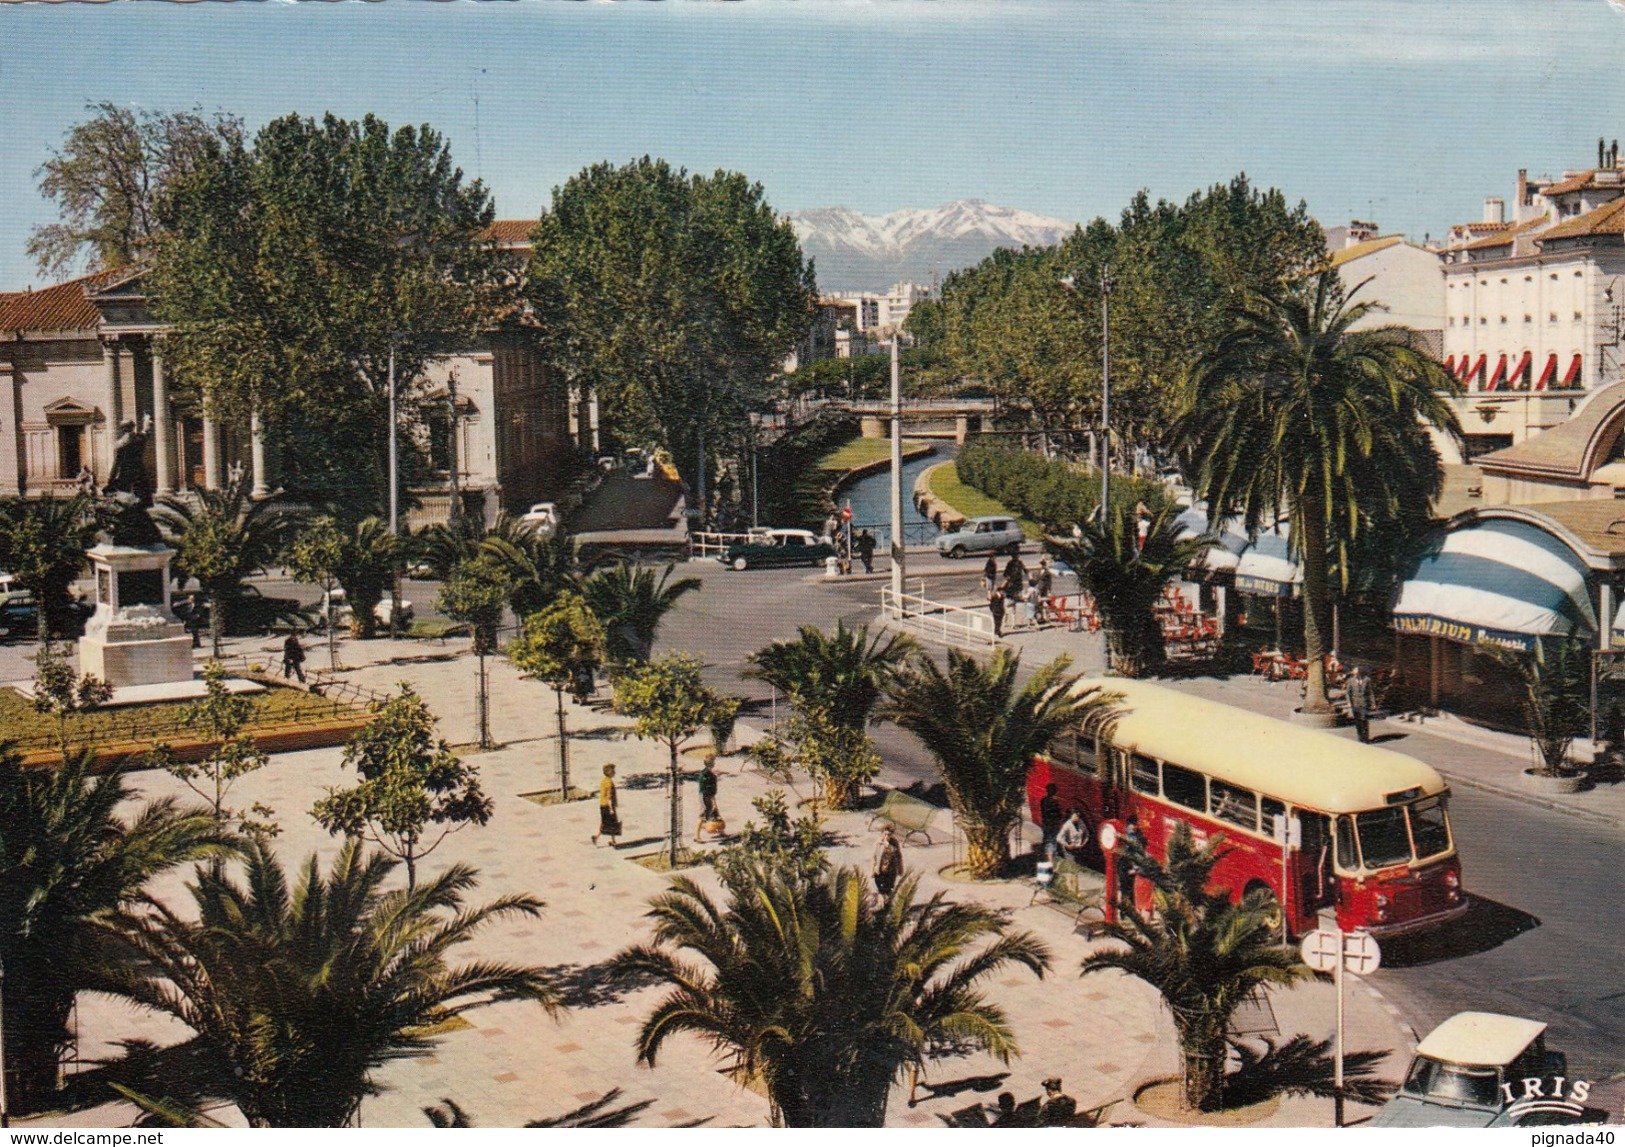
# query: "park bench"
{"type": "Point", "coordinates": [1069, 892]}
{"type": "Point", "coordinates": [911, 815]}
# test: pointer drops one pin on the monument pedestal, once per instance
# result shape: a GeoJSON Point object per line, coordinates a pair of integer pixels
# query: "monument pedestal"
{"type": "Point", "coordinates": [133, 638]}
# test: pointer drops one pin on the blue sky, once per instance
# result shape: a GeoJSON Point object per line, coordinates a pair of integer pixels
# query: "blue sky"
{"type": "Point", "coordinates": [1411, 111]}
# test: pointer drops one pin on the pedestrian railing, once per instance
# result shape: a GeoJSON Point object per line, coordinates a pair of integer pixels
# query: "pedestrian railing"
{"type": "Point", "coordinates": [704, 544]}
{"type": "Point", "coordinates": [918, 535]}
{"type": "Point", "coordinates": [952, 625]}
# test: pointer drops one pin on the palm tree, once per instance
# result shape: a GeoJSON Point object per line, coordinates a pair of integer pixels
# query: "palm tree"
{"type": "Point", "coordinates": [823, 993]}
{"type": "Point", "coordinates": [297, 994]}
{"type": "Point", "coordinates": [984, 731]}
{"type": "Point", "coordinates": [1127, 578]}
{"type": "Point", "coordinates": [1552, 685]}
{"type": "Point", "coordinates": [67, 860]}
{"type": "Point", "coordinates": [367, 571]}
{"type": "Point", "coordinates": [43, 543]}
{"type": "Point", "coordinates": [1202, 951]}
{"type": "Point", "coordinates": [1296, 412]}
{"type": "Point", "coordinates": [539, 569]}
{"type": "Point", "coordinates": [631, 603]}
{"type": "Point", "coordinates": [836, 681]}
{"type": "Point", "coordinates": [222, 538]}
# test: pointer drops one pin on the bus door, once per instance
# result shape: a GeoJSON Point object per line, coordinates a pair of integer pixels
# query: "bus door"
{"type": "Point", "coordinates": [1317, 888]}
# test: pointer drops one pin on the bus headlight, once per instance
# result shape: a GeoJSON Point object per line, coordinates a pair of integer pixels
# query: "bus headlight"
{"type": "Point", "coordinates": [1454, 895]}
{"type": "Point", "coordinates": [1382, 900]}
{"type": "Point", "coordinates": [1452, 879]}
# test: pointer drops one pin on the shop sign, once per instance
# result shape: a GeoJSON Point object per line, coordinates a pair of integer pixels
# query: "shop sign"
{"type": "Point", "coordinates": [1462, 633]}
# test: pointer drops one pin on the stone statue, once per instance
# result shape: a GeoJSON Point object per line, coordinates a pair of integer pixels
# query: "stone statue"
{"type": "Point", "coordinates": [129, 475]}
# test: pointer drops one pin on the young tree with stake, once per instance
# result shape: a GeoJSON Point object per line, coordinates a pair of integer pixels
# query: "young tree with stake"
{"type": "Point", "coordinates": [669, 703]}
{"type": "Point", "coordinates": [557, 643]}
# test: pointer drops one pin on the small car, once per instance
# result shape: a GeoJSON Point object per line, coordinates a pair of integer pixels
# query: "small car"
{"type": "Point", "coordinates": [777, 548]}
{"type": "Point", "coordinates": [1479, 1069]}
{"type": "Point", "coordinates": [989, 535]}
{"type": "Point", "coordinates": [543, 519]}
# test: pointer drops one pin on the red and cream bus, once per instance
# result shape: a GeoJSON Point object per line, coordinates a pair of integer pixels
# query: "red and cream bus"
{"type": "Point", "coordinates": [1365, 830]}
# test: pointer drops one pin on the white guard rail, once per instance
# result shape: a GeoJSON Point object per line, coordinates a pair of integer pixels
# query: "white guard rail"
{"type": "Point", "coordinates": [952, 625]}
{"type": "Point", "coordinates": [708, 545]}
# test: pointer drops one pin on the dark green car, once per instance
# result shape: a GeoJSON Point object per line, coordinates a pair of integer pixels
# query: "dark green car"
{"type": "Point", "coordinates": [777, 548]}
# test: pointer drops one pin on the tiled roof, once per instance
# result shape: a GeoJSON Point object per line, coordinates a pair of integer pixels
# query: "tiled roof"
{"type": "Point", "coordinates": [1571, 449]}
{"type": "Point", "coordinates": [1481, 227]}
{"type": "Point", "coordinates": [1506, 235]}
{"type": "Point", "coordinates": [1576, 181]}
{"type": "Point", "coordinates": [1609, 219]}
{"type": "Point", "coordinates": [509, 231]}
{"type": "Point", "coordinates": [63, 307]}
{"type": "Point", "coordinates": [1364, 248]}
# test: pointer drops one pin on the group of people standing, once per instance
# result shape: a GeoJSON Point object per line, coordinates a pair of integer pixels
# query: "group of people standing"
{"type": "Point", "coordinates": [1065, 833]}
{"type": "Point", "coordinates": [848, 545]}
{"type": "Point", "coordinates": [1019, 594]}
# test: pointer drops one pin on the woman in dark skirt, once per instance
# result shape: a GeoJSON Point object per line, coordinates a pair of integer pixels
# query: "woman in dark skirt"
{"type": "Point", "coordinates": [609, 809]}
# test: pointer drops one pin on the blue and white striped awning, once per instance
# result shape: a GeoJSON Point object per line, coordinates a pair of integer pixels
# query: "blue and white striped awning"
{"type": "Point", "coordinates": [1225, 553]}
{"type": "Point", "coordinates": [1501, 581]}
{"type": "Point", "coordinates": [1266, 566]}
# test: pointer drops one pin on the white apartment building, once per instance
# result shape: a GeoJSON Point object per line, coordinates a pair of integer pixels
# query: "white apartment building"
{"type": "Point", "coordinates": [1404, 279]}
{"type": "Point", "coordinates": [883, 314]}
{"type": "Point", "coordinates": [1533, 304]}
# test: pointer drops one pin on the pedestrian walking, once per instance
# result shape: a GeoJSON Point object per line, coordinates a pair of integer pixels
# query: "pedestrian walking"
{"type": "Point", "coordinates": [708, 797]}
{"type": "Point", "coordinates": [194, 619]}
{"type": "Point", "coordinates": [1029, 605]}
{"type": "Point", "coordinates": [1072, 839]}
{"type": "Point", "coordinates": [1142, 525]}
{"type": "Point", "coordinates": [582, 683]}
{"type": "Point", "coordinates": [1046, 587]}
{"type": "Point", "coordinates": [1015, 576]}
{"type": "Point", "coordinates": [990, 575]}
{"type": "Point", "coordinates": [293, 658]}
{"type": "Point", "coordinates": [1358, 686]}
{"type": "Point", "coordinates": [995, 606]}
{"type": "Point", "coordinates": [1050, 819]}
{"type": "Point", "coordinates": [888, 867]}
{"type": "Point", "coordinates": [609, 808]}
{"type": "Point", "coordinates": [866, 551]}
{"type": "Point", "coordinates": [832, 529]}
{"type": "Point", "coordinates": [1130, 845]}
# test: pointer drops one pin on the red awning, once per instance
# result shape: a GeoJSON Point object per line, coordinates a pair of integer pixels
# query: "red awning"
{"type": "Point", "coordinates": [1476, 370]}
{"type": "Point", "coordinates": [1520, 374]}
{"type": "Point", "coordinates": [1572, 377]}
{"type": "Point", "coordinates": [1499, 375]}
{"type": "Point", "coordinates": [1546, 374]}
{"type": "Point", "coordinates": [1450, 364]}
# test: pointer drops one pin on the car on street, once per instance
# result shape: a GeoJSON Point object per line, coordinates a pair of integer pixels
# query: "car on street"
{"type": "Point", "coordinates": [1480, 1069]}
{"type": "Point", "coordinates": [987, 535]}
{"type": "Point", "coordinates": [772, 547]}
{"type": "Point", "coordinates": [543, 520]}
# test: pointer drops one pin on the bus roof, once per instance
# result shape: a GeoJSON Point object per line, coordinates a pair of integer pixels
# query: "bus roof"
{"type": "Point", "coordinates": [1305, 767]}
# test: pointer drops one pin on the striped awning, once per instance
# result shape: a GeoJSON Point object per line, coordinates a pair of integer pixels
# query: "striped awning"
{"type": "Point", "coordinates": [1519, 378]}
{"type": "Point", "coordinates": [1547, 373]}
{"type": "Point", "coordinates": [1266, 566]}
{"type": "Point", "coordinates": [1220, 557]}
{"type": "Point", "coordinates": [1500, 581]}
{"type": "Point", "coordinates": [1571, 377]}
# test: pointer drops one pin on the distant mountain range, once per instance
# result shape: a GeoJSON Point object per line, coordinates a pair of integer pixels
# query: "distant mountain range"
{"type": "Point", "coordinates": [854, 252]}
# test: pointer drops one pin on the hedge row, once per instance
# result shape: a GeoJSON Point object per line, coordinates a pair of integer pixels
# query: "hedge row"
{"type": "Point", "coordinates": [1049, 491]}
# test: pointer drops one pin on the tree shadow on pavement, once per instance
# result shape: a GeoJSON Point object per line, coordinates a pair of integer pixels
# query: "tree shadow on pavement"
{"type": "Point", "coordinates": [1302, 1066]}
{"type": "Point", "coordinates": [1487, 924]}
{"type": "Point", "coordinates": [637, 782]}
{"type": "Point", "coordinates": [953, 1087]}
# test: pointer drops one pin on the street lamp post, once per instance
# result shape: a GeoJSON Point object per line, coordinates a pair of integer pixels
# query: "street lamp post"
{"type": "Point", "coordinates": [5, 1108]}
{"type": "Point", "coordinates": [1071, 285]}
{"type": "Point", "coordinates": [897, 552]}
{"type": "Point", "coordinates": [394, 503]}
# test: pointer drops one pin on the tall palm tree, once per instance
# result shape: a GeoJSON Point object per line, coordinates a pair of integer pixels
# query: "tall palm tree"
{"type": "Point", "coordinates": [1202, 951]}
{"type": "Point", "coordinates": [823, 993]}
{"type": "Point", "coordinates": [298, 994]}
{"type": "Point", "coordinates": [631, 603]}
{"type": "Point", "coordinates": [1127, 579]}
{"type": "Point", "coordinates": [983, 732]}
{"type": "Point", "coordinates": [366, 572]}
{"type": "Point", "coordinates": [1299, 410]}
{"type": "Point", "coordinates": [43, 543]}
{"type": "Point", "coordinates": [67, 861]}
{"type": "Point", "coordinates": [222, 538]}
{"type": "Point", "coordinates": [538, 568]}
{"type": "Point", "coordinates": [836, 681]}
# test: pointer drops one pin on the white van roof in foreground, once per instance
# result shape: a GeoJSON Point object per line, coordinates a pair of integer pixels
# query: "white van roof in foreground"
{"type": "Point", "coordinates": [1480, 1039]}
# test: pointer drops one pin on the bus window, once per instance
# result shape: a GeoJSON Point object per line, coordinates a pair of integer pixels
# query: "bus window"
{"type": "Point", "coordinates": [1383, 839]}
{"type": "Point", "coordinates": [1063, 750]}
{"type": "Point", "coordinates": [1274, 814]}
{"type": "Point", "coordinates": [1429, 828]}
{"type": "Point", "coordinates": [1236, 805]}
{"type": "Point", "coordinates": [1089, 758]}
{"type": "Point", "coordinates": [1144, 775]}
{"type": "Point", "coordinates": [1347, 855]}
{"type": "Point", "coordinates": [1184, 787]}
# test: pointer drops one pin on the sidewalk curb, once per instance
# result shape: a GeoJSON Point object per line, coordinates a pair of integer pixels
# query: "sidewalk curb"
{"type": "Point", "coordinates": [1523, 797]}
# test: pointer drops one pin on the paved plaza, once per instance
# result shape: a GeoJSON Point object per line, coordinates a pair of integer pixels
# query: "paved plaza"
{"type": "Point", "coordinates": [1102, 1036]}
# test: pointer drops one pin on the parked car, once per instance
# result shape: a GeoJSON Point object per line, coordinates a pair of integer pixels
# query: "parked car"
{"type": "Point", "coordinates": [777, 548]}
{"type": "Point", "coordinates": [13, 590]}
{"type": "Point", "coordinates": [543, 519]}
{"type": "Point", "coordinates": [342, 611]}
{"type": "Point", "coordinates": [987, 535]}
{"type": "Point", "coordinates": [1479, 1069]}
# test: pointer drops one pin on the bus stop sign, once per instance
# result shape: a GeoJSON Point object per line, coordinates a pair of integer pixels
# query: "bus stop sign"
{"type": "Point", "coordinates": [1361, 955]}
{"type": "Point", "coordinates": [1321, 948]}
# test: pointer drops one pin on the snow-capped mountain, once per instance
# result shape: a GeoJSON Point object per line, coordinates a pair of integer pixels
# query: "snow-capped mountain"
{"type": "Point", "coordinates": [857, 252]}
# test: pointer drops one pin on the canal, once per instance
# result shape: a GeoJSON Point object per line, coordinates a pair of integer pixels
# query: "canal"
{"type": "Point", "coordinates": [871, 499]}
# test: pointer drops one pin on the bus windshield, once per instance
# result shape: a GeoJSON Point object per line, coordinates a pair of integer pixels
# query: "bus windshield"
{"type": "Point", "coordinates": [1403, 833]}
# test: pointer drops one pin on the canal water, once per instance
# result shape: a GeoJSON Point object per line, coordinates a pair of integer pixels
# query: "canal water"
{"type": "Point", "coordinates": [871, 499]}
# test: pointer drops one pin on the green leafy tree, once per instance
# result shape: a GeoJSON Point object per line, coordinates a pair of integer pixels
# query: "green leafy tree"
{"type": "Point", "coordinates": [222, 538]}
{"type": "Point", "coordinates": [223, 719]}
{"type": "Point", "coordinates": [413, 790]}
{"type": "Point", "coordinates": [983, 732]}
{"type": "Point", "coordinates": [108, 178]}
{"type": "Point", "coordinates": [475, 594]}
{"type": "Point", "coordinates": [842, 759]}
{"type": "Point", "coordinates": [1296, 412]}
{"type": "Point", "coordinates": [299, 994]}
{"type": "Point", "coordinates": [1203, 952]}
{"type": "Point", "coordinates": [315, 557]}
{"type": "Point", "coordinates": [562, 640]}
{"type": "Point", "coordinates": [1127, 579]}
{"type": "Point", "coordinates": [295, 268]}
{"type": "Point", "coordinates": [793, 848]}
{"type": "Point", "coordinates": [631, 602]}
{"type": "Point", "coordinates": [668, 702]}
{"type": "Point", "coordinates": [58, 692]}
{"type": "Point", "coordinates": [42, 544]}
{"type": "Point", "coordinates": [67, 860]}
{"type": "Point", "coordinates": [674, 295]}
{"type": "Point", "coordinates": [822, 994]}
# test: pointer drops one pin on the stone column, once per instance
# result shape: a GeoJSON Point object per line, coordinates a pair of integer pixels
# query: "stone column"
{"type": "Point", "coordinates": [112, 408]}
{"type": "Point", "coordinates": [213, 475]}
{"type": "Point", "coordinates": [256, 434]}
{"type": "Point", "coordinates": [163, 434]}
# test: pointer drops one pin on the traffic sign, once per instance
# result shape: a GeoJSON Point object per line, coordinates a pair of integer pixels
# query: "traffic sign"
{"type": "Point", "coordinates": [1320, 949]}
{"type": "Point", "coordinates": [1361, 955]}
{"type": "Point", "coordinates": [1107, 836]}
{"type": "Point", "coordinates": [846, 512]}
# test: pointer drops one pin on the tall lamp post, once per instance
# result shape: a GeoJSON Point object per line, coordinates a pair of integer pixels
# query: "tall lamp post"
{"type": "Point", "coordinates": [1106, 284]}
{"type": "Point", "coordinates": [898, 554]}
{"type": "Point", "coordinates": [5, 1109]}
{"type": "Point", "coordinates": [394, 502]}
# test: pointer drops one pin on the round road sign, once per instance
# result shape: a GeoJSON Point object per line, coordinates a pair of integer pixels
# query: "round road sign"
{"type": "Point", "coordinates": [1107, 836]}
{"type": "Point", "coordinates": [1361, 955]}
{"type": "Point", "coordinates": [1319, 950]}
